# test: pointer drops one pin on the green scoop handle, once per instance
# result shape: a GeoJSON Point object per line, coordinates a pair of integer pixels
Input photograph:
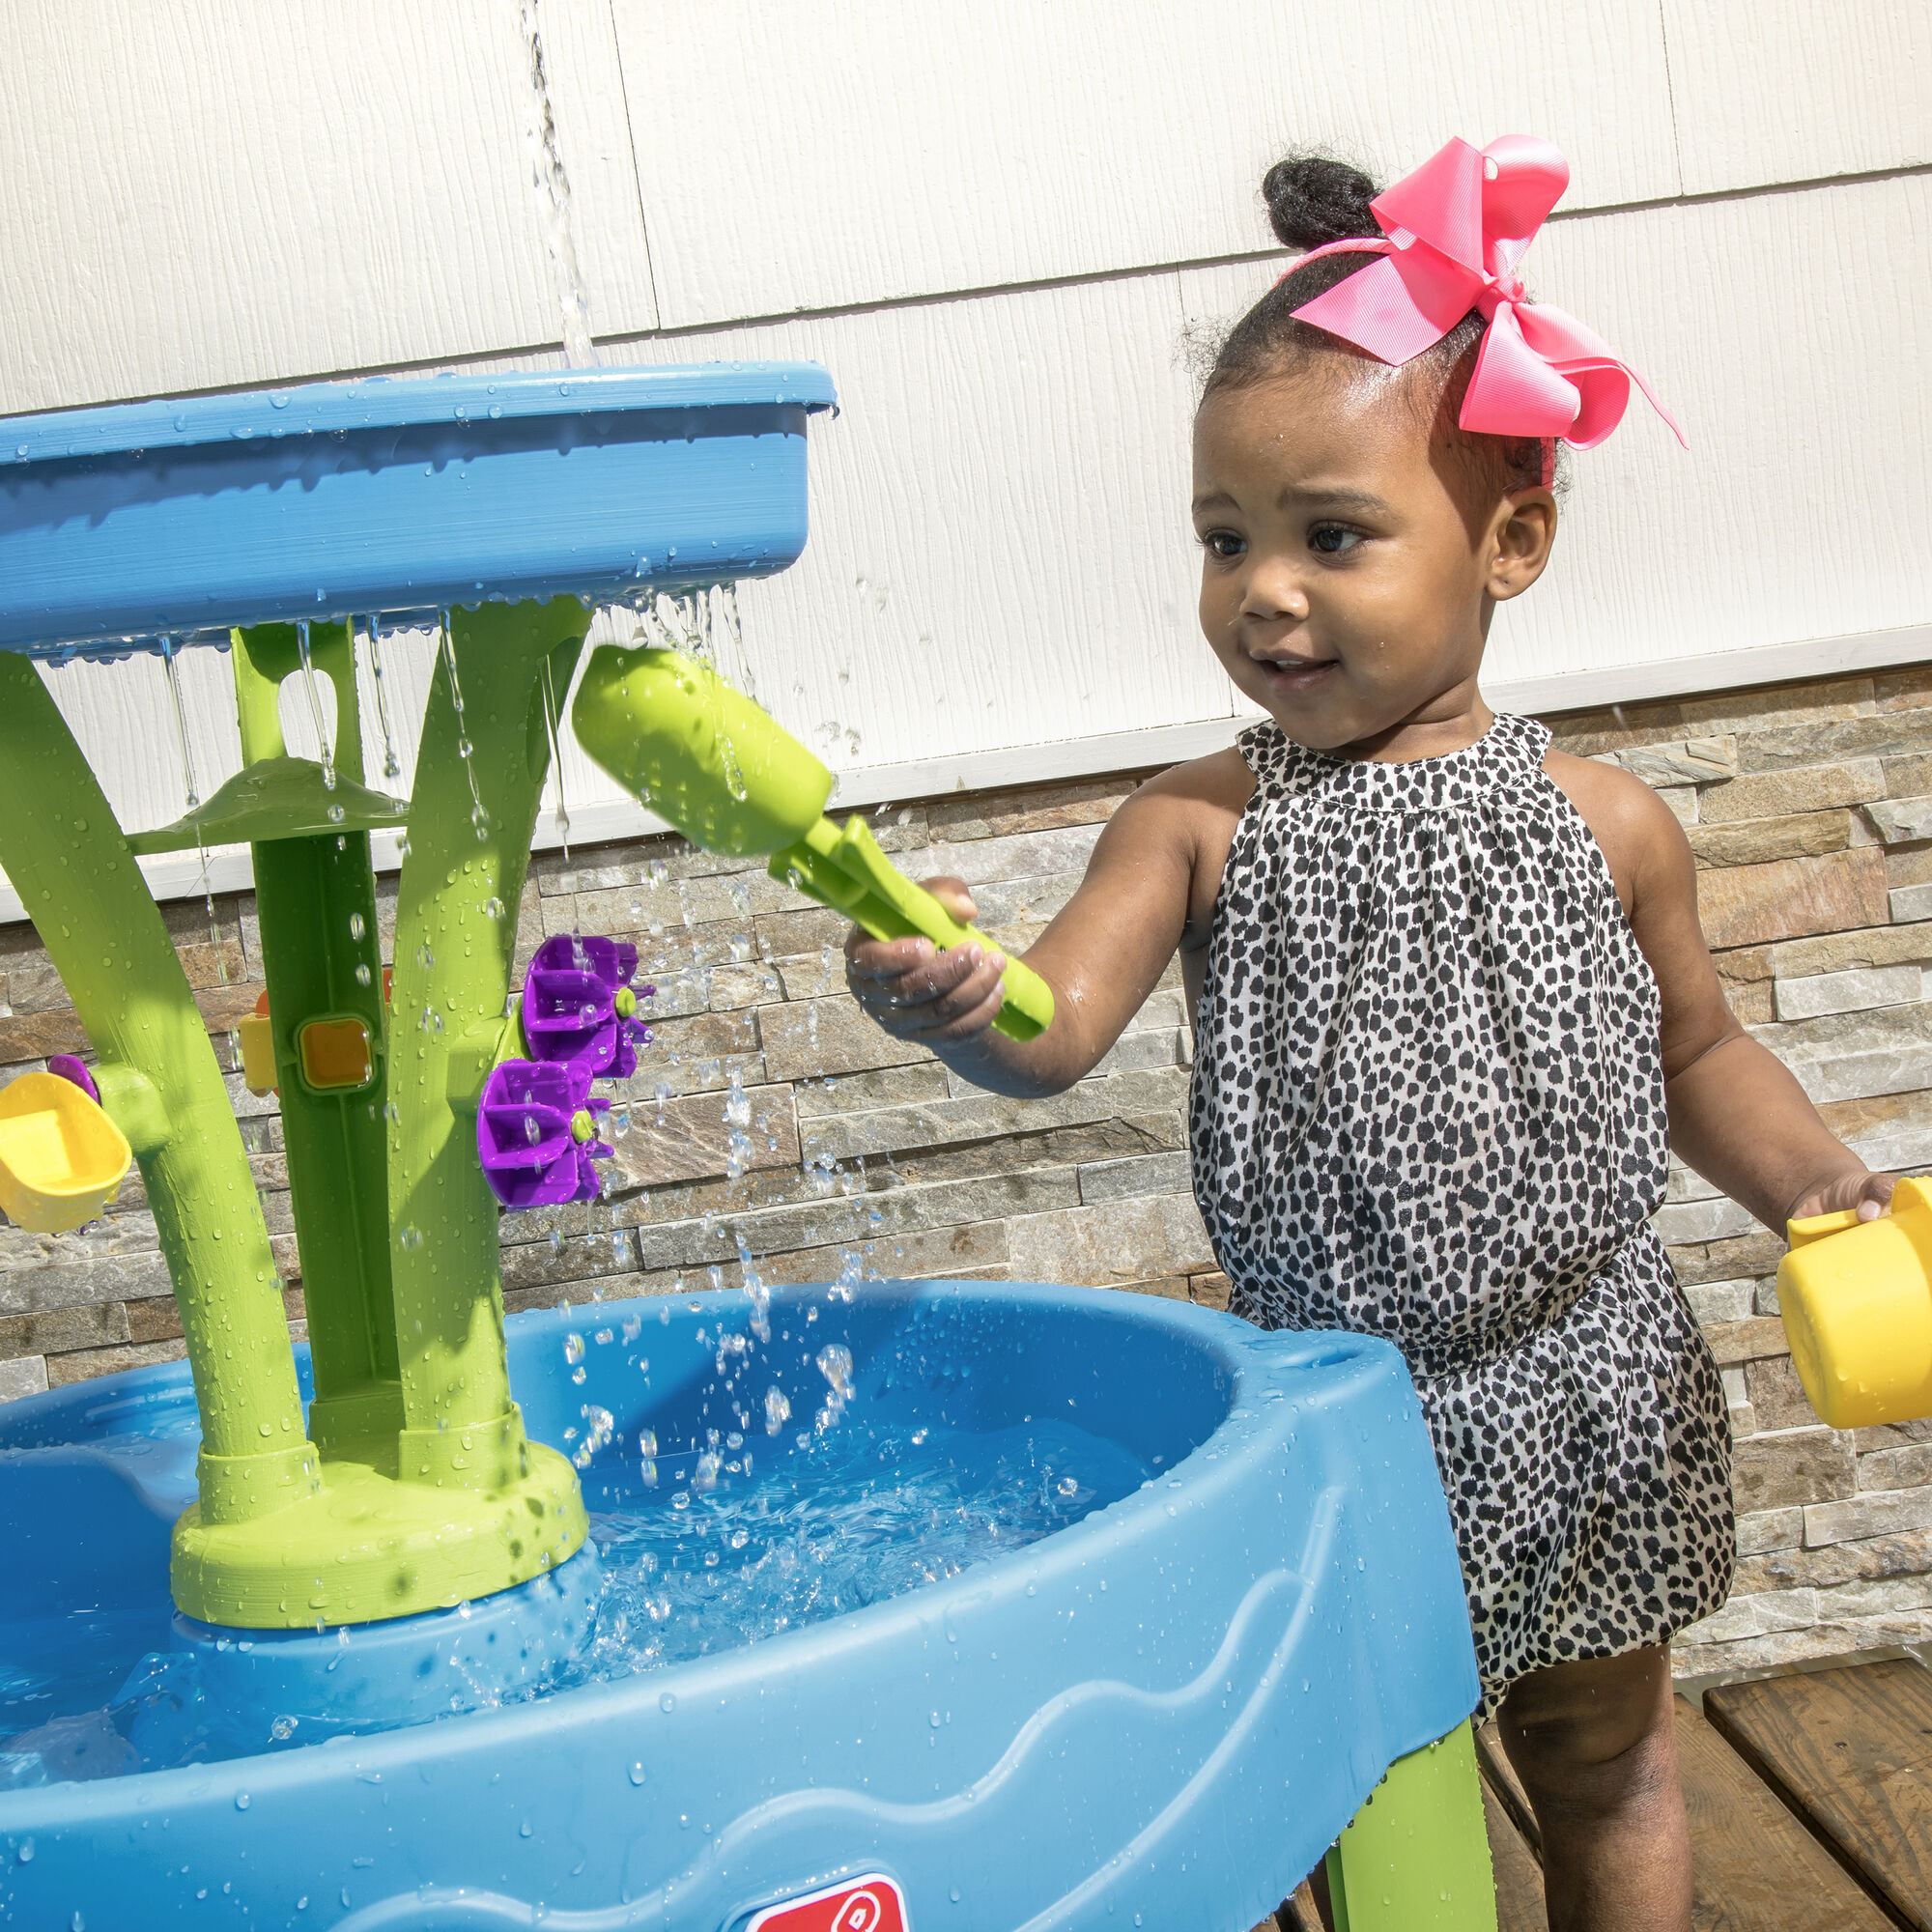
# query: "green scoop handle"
{"type": "Point", "coordinates": [705, 758]}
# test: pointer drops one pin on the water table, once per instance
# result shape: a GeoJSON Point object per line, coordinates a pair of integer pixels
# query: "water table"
{"type": "Point", "coordinates": [943, 1603]}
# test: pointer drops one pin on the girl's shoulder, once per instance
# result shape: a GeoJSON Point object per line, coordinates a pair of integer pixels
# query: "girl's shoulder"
{"type": "Point", "coordinates": [1191, 811]}
{"type": "Point", "coordinates": [1636, 829]}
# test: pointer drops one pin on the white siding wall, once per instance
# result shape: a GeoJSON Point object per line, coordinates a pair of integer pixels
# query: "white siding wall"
{"type": "Point", "coordinates": [995, 221]}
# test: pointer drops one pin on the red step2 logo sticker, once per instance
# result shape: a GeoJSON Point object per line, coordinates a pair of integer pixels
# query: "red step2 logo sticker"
{"type": "Point", "coordinates": [869, 1904]}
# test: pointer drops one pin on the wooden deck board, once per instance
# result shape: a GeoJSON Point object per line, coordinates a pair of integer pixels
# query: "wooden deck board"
{"type": "Point", "coordinates": [1850, 1751]}
{"type": "Point", "coordinates": [1519, 1877]}
{"type": "Point", "coordinates": [1754, 1868]}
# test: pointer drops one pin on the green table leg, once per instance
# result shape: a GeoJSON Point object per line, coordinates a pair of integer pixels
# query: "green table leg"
{"type": "Point", "coordinates": [158, 1080]}
{"type": "Point", "coordinates": [1416, 1857]}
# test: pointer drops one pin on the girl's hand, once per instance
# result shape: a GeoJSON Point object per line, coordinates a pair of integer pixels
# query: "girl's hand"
{"type": "Point", "coordinates": [1869, 1193]}
{"type": "Point", "coordinates": [919, 993]}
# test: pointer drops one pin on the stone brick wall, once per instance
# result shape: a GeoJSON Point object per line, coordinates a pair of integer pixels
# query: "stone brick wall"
{"type": "Point", "coordinates": [770, 1114]}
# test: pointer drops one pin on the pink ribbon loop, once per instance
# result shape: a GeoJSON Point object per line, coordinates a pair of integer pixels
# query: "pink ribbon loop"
{"type": "Point", "coordinates": [1452, 232]}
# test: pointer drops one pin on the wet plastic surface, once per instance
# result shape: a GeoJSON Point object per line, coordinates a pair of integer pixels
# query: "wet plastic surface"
{"type": "Point", "coordinates": [1168, 1709]}
{"type": "Point", "coordinates": [332, 500]}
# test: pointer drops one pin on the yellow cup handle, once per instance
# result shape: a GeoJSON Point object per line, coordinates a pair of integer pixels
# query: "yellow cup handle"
{"type": "Point", "coordinates": [1816, 1226]}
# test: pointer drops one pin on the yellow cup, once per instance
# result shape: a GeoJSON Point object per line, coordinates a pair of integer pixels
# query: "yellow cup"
{"type": "Point", "coordinates": [1856, 1301]}
{"type": "Point", "coordinates": [60, 1158]}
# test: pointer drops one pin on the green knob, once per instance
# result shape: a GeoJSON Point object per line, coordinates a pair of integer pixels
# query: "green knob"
{"type": "Point", "coordinates": [582, 1126]}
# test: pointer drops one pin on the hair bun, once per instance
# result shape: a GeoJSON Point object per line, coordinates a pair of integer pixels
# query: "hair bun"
{"type": "Point", "coordinates": [1314, 198]}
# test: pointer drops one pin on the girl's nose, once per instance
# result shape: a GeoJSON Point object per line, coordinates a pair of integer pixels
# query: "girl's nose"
{"type": "Point", "coordinates": [1272, 593]}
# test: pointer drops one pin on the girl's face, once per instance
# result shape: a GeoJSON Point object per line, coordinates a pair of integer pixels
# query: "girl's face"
{"type": "Point", "coordinates": [1350, 570]}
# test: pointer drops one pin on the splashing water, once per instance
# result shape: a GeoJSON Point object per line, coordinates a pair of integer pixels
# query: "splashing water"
{"type": "Point", "coordinates": [855, 1515]}
{"type": "Point", "coordinates": [552, 188]}
{"type": "Point", "coordinates": [835, 1364]}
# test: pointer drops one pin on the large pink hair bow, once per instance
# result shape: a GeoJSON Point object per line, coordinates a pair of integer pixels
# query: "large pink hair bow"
{"type": "Point", "coordinates": [1452, 234]}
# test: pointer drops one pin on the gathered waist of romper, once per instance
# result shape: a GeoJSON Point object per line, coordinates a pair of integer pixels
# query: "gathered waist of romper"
{"type": "Point", "coordinates": [1489, 1332]}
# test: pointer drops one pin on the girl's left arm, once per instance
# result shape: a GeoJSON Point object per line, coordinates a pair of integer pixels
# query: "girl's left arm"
{"type": "Point", "coordinates": [1737, 1115]}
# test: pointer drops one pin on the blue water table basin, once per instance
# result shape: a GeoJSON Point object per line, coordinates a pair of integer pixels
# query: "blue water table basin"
{"type": "Point", "coordinates": [1164, 1709]}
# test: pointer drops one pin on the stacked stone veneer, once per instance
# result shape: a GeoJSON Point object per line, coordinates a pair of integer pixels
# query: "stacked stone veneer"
{"type": "Point", "coordinates": [1809, 809]}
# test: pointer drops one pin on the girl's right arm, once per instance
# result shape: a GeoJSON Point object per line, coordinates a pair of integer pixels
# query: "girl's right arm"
{"type": "Point", "coordinates": [1149, 888]}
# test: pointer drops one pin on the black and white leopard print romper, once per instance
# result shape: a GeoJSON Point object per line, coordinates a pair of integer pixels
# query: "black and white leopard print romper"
{"type": "Point", "coordinates": [1429, 1105]}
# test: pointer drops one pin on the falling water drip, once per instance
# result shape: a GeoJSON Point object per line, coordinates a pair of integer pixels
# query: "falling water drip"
{"type": "Point", "coordinates": [392, 767]}
{"type": "Point", "coordinates": [553, 186]}
{"type": "Point", "coordinates": [556, 760]}
{"type": "Point", "coordinates": [478, 818]}
{"type": "Point", "coordinates": [315, 707]}
{"type": "Point", "coordinates": [180, 723]}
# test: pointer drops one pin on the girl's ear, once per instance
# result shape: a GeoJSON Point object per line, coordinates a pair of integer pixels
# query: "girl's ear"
{"type": "Point", "coordinates": [1521, 535]}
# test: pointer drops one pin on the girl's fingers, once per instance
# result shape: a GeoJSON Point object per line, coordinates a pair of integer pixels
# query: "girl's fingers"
{"type": "Point", "coordinates": [1875, 1195]}
{"type": "Point", "coordinates": [941, 996]}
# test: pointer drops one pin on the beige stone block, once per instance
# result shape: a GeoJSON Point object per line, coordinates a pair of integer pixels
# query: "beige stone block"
{"type": "Point", "coordinates": [826, 1099]}
{"type": "Point", "coordinates": [1141, 1174]}
{"type": "Point", "coordinates": [1904, 689]}
{"type": "Point", "coordinates": [1804, 1466]}
{"type": "Point", "coordinates": [1908, 865]}
{"type": "Point", "coordinates": [1010, 906]}
{"type": "Point", "coordinates": [24, 1375]}
{"type": "Point", "coordinates": [1694, 761]}
{"type": "Point", "coordinates": [1893, 1436]}
{"type": "Point", "coordinates": [1908, 903]}
{"type": "Point", "coordinates": [1755, 841]}
{"type": "Point", "coordinates": [1859, 989]}
{"type": "Point", "coordinates": [56, 1331]}
{"type": "Point", "coordinates": [86, 1363]}
{"type": "Point", "coordinates": [32, 1290]}
{"type": "Point", "coordinates": [1756, 1616]}
{"type": "Point", "coordinates": [1764, 1530]}
{"type": "Point", "coordinates": [1751, 1254]}
{"type": "Point", "coordinates": [1899, 820]}
{"type": "Point", "coordinates": [1781, 1647]}
{"type": "Point", "coordinates": [1896, 1468]}
{"type": "Point", "coordinates": [943, 1254]}
{"type": "Point", "coordinates": [1748, 904]}
{"type": "Point", "coordinates": [1211, 1291]}
{"type": "Point", "coordinates": [1896, 734]}
{"type": "Point", "coordinates": [1853, 1518]}
{"type": "Point", "coordinates": [1682, 801]}
{"type": "Point", "coordinates": [1782, 794]}
{"type": "Point", "coordinates": [691, 1137]}
{"type": "Point", "coordinates": [817, 1037]}
{"type": "Point", "coordinates": [1909, 1555]}
{"type": "Point", "coordinates": [1124, 1240]}
{"type": "Point", "coordinates": [698, 1053]}
{"type": "Point", "coordinates": [1777, 1396]}
{"type": "Point", "coordinates": [1721, 1301]}
{"type": "Point", "coordinates": [1046, 809]}
{"type": "Point", "coordinates": [1734, 1343]}
{"type": "Point", "coordinates": [1713, 1219]}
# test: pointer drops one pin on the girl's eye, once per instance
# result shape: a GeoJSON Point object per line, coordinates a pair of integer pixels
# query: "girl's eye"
{"type": "Point", "coordinates": [1224, 544]}
{"type": "Point", "coordinates": [1333, 539]}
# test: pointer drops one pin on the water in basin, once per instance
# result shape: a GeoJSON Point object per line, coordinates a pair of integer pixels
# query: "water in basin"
{"type": "Point", "coordinates": [702, 1544]}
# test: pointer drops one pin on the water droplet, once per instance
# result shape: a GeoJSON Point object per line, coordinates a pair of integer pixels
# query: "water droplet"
{"type": "Point", "coordinates": [668, 1703]}
{"type": "Point", "coordinates": [240, 1801]}
{"type": "Point", "coordinates": [638, 1773]}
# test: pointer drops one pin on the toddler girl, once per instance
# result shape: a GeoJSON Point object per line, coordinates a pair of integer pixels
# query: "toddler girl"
{"type": "Point", "coordinates": [1451, 1000]}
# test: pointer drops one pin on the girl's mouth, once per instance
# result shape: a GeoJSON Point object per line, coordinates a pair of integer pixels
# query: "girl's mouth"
{"type": "Point", "coordinates": [1295, 674]}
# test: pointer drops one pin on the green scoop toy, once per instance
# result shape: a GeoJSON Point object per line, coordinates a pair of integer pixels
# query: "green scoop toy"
{"type": "Point", "coordinates": [711, 762]}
